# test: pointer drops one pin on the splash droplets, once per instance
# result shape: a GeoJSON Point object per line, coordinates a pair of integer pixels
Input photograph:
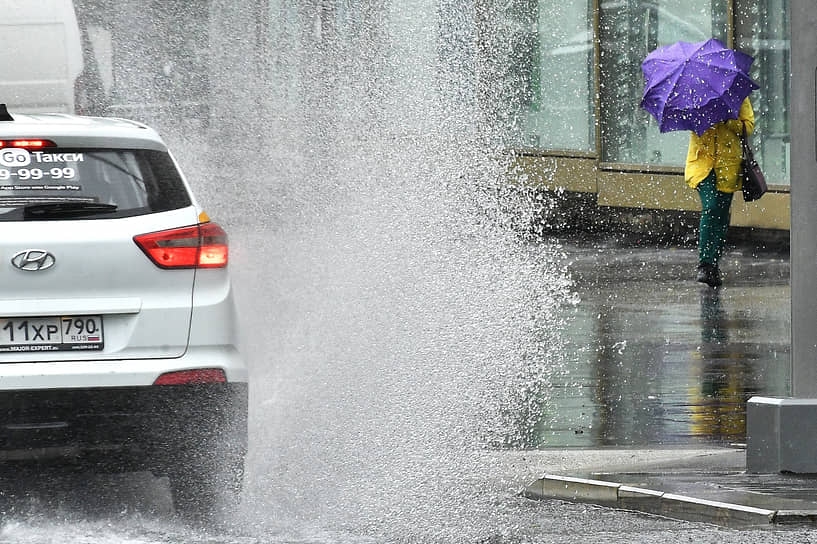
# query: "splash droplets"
{"type": "Point", "coordinates": [396, 322]}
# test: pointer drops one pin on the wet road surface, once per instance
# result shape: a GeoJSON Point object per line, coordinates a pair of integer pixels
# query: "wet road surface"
{"type": "Point", "coordinates": [132, 509]}
{"type": "Point", "coordinates": [655, 358]}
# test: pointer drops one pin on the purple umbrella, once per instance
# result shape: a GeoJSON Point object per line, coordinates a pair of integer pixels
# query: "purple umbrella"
{"type": "Point", "coordinates": [692, 86]}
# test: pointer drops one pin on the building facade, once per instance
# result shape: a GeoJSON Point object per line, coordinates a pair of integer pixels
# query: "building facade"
{"type": "Point", "coordinates": [582, 128]}
{"type": "Point", "coordinates": [572, 69]}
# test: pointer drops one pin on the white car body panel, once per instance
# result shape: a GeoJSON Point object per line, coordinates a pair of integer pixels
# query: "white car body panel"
{"type": "Point", "coordinates": [98, 259]}
{"type": "Point", "coordinates": [38, 307]}
{"type": "Point", "coordinates": [155, 320]}
{"type": "Point", "coordinates": [46, 35]}
{"type": "Point", "coordinates": [118, 373]}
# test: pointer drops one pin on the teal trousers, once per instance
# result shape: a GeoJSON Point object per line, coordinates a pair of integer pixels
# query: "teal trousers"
{"type": "Point", "coordinates": [714, 220]}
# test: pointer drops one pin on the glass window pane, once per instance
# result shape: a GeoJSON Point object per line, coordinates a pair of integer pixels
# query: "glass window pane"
{"type": "Point", "coordinates": [762, 30]}
{"type": "Point", "coordinates": [629, 30]}
{"type": "Point", "coordinates": [560, 112]}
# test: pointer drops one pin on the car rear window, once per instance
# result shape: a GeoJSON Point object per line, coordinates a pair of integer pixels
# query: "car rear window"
{"type": "Point", "coordinates": [135, 181]}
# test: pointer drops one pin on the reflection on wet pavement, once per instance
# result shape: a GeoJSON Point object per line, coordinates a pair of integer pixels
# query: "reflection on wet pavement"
{"type": "Point", "coordinates": [654, 358]}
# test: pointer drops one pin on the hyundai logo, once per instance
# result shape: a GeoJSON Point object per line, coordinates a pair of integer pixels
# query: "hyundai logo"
{"type": "Point", "coordinates": [33, 260]}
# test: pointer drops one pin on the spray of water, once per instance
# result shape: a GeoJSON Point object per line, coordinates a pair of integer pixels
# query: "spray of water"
{"type": "Point", "coordinates": [398, 327]}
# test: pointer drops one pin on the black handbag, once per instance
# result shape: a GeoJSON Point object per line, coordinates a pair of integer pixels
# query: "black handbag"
{"type": "Point", "coordinates": [754, 182]}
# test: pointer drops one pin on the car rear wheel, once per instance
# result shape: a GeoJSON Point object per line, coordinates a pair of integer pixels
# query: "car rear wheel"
{"type": "Point", "coordinates": [205, 459]}
{"type": "Point", "coordinates": [202, 489]}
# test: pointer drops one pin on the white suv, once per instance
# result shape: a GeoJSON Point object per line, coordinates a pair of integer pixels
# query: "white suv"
{"type": "Point", "coordinates": [117, 323]}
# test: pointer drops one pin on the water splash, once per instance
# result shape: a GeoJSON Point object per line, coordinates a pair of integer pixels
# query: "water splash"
{"type": "Point", "coordinates": [399, 330]}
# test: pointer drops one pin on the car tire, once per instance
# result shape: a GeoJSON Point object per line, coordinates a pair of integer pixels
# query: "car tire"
{"type": "Point", "coordinates": [205, 461]}
{"type": "Point", "coordinates": [203, 491]}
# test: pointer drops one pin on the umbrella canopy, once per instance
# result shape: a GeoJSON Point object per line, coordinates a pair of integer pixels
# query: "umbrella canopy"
{"type": "Point", "coordinates": [692, 86]}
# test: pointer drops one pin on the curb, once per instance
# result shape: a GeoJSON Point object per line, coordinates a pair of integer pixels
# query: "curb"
{"type": "Point", "coordinates": [670, 505]}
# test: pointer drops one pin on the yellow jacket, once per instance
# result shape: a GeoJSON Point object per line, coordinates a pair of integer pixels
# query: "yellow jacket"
{"type": "Point", "coordinates": [719, 148]}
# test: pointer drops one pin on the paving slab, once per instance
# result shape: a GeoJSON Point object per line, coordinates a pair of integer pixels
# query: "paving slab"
{"type": "Point", "coordinates": [705, 486]}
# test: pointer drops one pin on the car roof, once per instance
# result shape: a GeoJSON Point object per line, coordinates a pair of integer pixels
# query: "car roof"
{"type": "Point", "coordinates": [79, 131]}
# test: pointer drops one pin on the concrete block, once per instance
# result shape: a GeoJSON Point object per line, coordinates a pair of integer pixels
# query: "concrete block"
{"type": "Point", "coordinates": [536, 490]}
{"type": "Point", "coordinates": [732, 515]}
{"type": "Point", "coordinates": [639, 499]}
{"type": "Point", "coordinates": [763, 435]}
{"type": "Point", "coordinates": [796, 517]}
{"type": "Point", "coordinates": [781, 435]}
{"type": "Point", "coordinates": [581, 490]}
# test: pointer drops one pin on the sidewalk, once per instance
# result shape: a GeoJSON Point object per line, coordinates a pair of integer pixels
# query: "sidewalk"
{"type": "Point", "coordinates": [710, 486]}
{"type": "Point", "coordinates": [655, 359]}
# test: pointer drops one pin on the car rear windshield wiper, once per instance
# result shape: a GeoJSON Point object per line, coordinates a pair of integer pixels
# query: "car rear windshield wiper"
{"type": "Point", "coordinates": [66, 209]}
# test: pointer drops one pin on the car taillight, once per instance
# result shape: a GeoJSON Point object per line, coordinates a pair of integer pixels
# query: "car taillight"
{"type": "Point", "coordinates": [27, 144]}
{"type": "Point", "coordinates": [192, 377]}
{"type": "Point", "coordinates": [198, 246]}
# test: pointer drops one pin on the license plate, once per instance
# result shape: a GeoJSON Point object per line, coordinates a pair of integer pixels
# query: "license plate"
{"type": "Point", "coordinates": [67, 333]}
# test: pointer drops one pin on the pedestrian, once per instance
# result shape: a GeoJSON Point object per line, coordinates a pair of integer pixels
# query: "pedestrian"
{"type": "Point", "coordinates": [713, 168]}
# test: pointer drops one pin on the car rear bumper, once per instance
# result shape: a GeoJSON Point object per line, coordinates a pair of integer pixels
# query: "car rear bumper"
{"type": "Point", "coordinates": [80, 374]}
{"type": "Point", "coordinates": [121, 428]}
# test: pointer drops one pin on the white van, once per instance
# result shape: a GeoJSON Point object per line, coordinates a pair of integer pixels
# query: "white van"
{"type": "Point", "coordinates": [40, 55]}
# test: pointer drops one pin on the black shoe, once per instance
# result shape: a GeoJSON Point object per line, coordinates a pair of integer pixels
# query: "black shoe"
{"type": "Point", "coordinates": [709, 274]}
